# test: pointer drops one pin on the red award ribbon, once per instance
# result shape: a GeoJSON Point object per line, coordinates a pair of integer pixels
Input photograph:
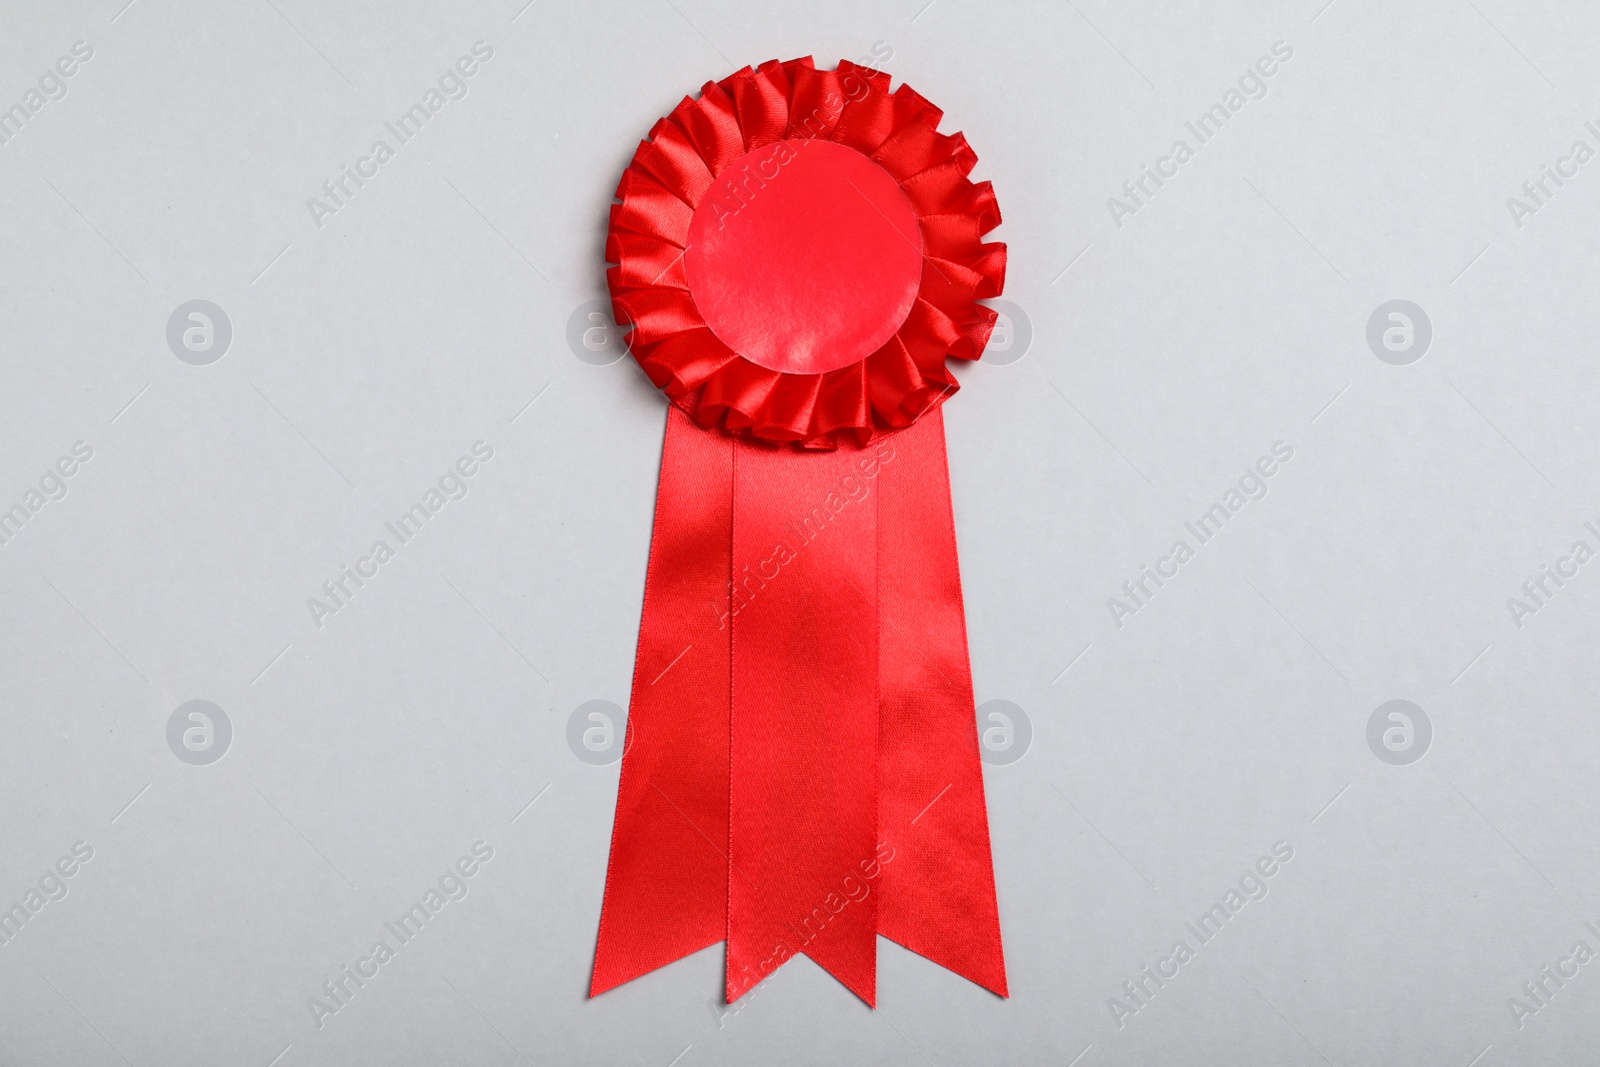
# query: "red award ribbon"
{"type": "Point", "coordinates": [798, 252]}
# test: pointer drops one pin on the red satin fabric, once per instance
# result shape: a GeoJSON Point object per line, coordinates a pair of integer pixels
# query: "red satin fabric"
{"type": "Point", "coordinates": [804, 257]}
{"type": "Point", "coordinates": [802, 768]}
{"type": "Point", "coordinates": [667, 883]}
{"type": "Point", "coordinates": [676, 170]}
{"type": "Point", "coordinates": [804, 731]}
{"type": "Point", "coordinates": [938, 894]}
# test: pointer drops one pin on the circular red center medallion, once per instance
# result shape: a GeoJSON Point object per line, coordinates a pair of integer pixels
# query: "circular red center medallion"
{"type": "Point", "coordinates": [804, 256]}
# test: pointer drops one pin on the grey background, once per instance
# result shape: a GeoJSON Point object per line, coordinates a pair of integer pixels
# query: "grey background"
{"type": "Point", "coordinates": [1167, 355]}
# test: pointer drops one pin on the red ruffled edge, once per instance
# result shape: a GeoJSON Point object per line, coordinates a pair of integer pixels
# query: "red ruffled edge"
{"type": "Point", "coordinates": [720, 389]}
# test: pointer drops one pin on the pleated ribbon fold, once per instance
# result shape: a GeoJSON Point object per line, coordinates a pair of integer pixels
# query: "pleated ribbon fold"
{"type": "Point", "coordinates": [801, 772]}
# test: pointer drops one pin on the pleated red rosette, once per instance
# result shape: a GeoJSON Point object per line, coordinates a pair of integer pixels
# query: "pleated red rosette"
{"type": "Point", "coordinates": [799, 252]}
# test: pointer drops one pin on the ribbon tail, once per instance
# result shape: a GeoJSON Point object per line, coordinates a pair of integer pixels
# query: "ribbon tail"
{"type": "Point", "coordinates": [803, 783]}
{"type": "Point", "coordinates": [666, 892]}
{"type": "Point", "coordinates": [938, 895]}
{"type": "Point", "coordinates": [801, 770]}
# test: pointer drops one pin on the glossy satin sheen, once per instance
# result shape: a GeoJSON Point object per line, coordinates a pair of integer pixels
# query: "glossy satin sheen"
{"type": "Point", "coordinates": [802, 771]}
{"type": "Point", "coordinates": [804, 256]}
{"type": "Point", "coordinates": [691, 158]}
